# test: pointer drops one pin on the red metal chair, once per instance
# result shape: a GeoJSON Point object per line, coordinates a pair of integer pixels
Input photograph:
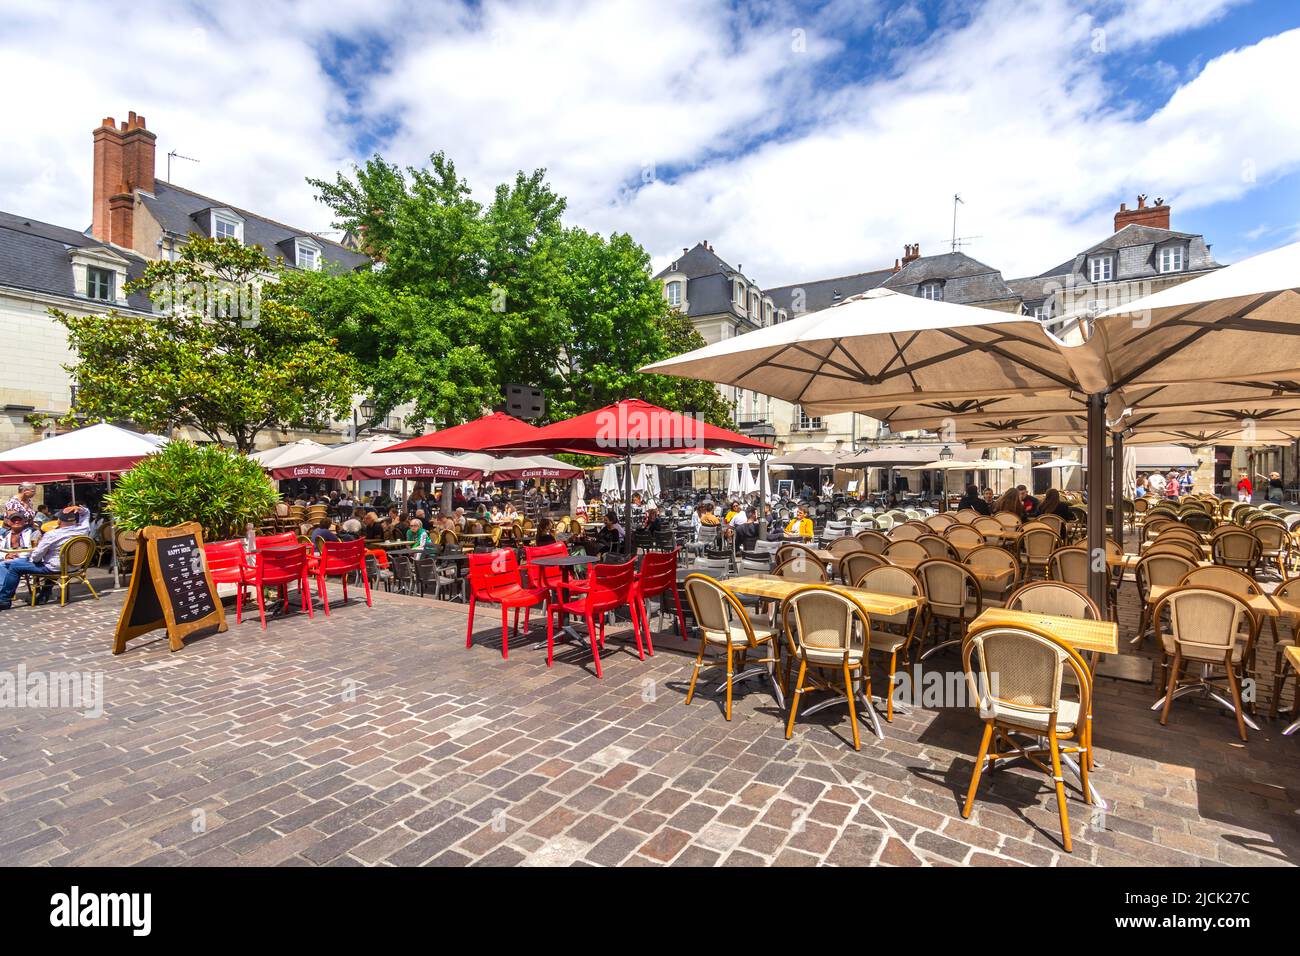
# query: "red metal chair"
{"type": "Point", "coordinates": [609, 586]}
{"type": "Point", "coordinates": [494, 579]}
{"type": "Point", "coordinates": [282, 539]}
{"type": "Point", "coordinates": [280, 566]}
{"type": "Point", "coordinates": [341, 558]}
{"type": "Point", "coordinates": [657, 578]}
{"type": "Point", "coordinates": [228, 564]}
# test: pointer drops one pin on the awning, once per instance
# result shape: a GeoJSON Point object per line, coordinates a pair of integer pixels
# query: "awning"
{"type": "Point", "coordinates": [93, 450]}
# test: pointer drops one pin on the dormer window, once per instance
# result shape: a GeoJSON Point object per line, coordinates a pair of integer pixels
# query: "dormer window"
{"type": "Point", "coordinates": [1101, 268]}
{"type": "Point", "coordinates": [932, 290]}
{"type": "Point", "coordinates": [99, 284]}
{"type": "Point", "coordinates": [673, 291]}
{"type": "Point", "coordinates": [306, 254]}
{"type": "Point", "coordinates": [781, 315]}
{"type": "Point", "coordinates": [226, 225]}
{"type": "Point", "coordinates": [754, 308]}
{"type": "Point", "coordinates": [767, 313]}
{"type": "Point", "coordinates": [738, 293]}
{"type": "Point", "coordinates": [1172, 259]}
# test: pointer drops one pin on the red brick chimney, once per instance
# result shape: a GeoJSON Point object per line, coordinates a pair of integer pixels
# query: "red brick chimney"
{"type": "Point", "coordinates": [911, 252]}
{"type": "Point", "coordinates": [124, 162]}
{"type": "Point", "coordinates": [1143, 215]}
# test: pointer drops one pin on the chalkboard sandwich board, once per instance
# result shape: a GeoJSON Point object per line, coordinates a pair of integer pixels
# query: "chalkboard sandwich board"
{"type": "Point", "coordinates": [170, 588]}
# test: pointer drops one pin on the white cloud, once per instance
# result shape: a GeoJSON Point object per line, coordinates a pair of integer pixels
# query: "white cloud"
{"type": "Point", "coordinates": [729, 111]}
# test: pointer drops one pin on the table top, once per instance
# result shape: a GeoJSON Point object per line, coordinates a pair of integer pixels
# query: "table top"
{"type": "Point", "coordinates": [1100, 637]}
{"type": "Point", "coordinates": [1293, 655]}
{"type": "Point", "coordinates": [1290, 607]}
{"type": "Point", "coordinates": [564, 560]}
{"type": "Point", "coordinates": [1259, 603]}
{"type": "Point", "coordinates": [772, 586]}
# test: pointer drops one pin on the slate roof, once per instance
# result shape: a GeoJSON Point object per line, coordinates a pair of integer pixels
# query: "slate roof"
{"type": "Point", "coordinates": [176, 210]}
{"type": "Point", "coordinates": [964, 279]}
{"type": "Point", "coordinates": [34, 256]}
{"type": "Point", "coordinates": [824, 293]}
{"type": "Point", "coordinates": [696, 262]}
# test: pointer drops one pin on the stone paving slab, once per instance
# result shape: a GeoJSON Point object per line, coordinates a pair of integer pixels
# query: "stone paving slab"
{"type": "Point", "coordinates": [375, 737]}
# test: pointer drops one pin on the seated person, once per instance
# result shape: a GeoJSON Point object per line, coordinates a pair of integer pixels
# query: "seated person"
{"type": "Point", "coordinates": [324, 531]}
{"type": "Point", "coordinates": [800, 526]}
{"type": "Point", "coordinates": [973, 500]}
{"type": "Point", "coordinates": [19, 535]}
{"type": "Point", "coordinates": [416, 536]}
{"type": "Point", "coordinates": [745, 533]}
{"type": "Point", "coordinates": [545, 532]}
{"type": "Point", "coordinates": [707, 517]}
{"type": "Point", "coordinates": [653, 523]}
{"type": "Point", "coordinates": [609, 539]}
{"type": "Point", "coordinates": [372, 527]}
{"type": "Point", "coordinates": [44, 558]}
{"type": "Point", "coordinates": [351, 530]}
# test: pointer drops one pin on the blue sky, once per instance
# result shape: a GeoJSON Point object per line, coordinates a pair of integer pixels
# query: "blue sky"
{"type": "Point", "coordinates": [802, 139]}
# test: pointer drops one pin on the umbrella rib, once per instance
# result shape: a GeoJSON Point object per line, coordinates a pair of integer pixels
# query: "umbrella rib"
{"type": "Point", "coordinates": [995, 347]}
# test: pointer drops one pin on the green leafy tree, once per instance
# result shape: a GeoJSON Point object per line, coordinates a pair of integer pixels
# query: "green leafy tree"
{"type": "Point", "coordinates": [210, 484]}
{"type": "Point", "coordinates": [485, 295]}
{"type": "Point", "coordinates": [226, 352]}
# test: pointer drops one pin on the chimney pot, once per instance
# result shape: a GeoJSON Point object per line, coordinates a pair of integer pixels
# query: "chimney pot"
{"type": "Point", "coordinates": [1156, 216]}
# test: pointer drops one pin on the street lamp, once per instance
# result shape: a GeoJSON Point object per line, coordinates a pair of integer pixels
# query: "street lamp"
{"type": "Point", "coordinates": [945, 453]}
{"type": "Point", "coordinates": [367, 413]}
{"type": "Point", "coordinates": [766, 433]}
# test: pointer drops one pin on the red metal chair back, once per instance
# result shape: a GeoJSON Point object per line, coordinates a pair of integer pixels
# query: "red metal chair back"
{"type": "Point", "coordinates": [341, 557]}
{"type": "Point", "coordinates": [493, 572]}
{"type": "Point", "coordinates": [275, 540]}
{"type": "Point", "coordinates": [611, 586]}
{"type": "Point", "coordinates": [225, 560]}
{"type": "Point", "coordinates": [543, 577]}
{"type": "Point", "coordinates": [281, 565]}
{"type": "Point", "coordinates": [658, 572]}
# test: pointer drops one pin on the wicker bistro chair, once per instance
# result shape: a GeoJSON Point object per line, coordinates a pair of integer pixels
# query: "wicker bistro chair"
{"type": "Point", "coordinates": [1036, 547]}
{"type": "Point", "coordinates": [997, 571]}
{"type": "Point", "coordinates": [936, 547]}
{"type": "Point", "coordinates": [798, 568]}
{"type": "Point", "coordinates": [952, 596]}
{"type": "Point", "coordinates": [873, 541]}
{"type": "Point", "coordinates": [843, 546]}
{"type": "Point", "coordinates": [1018, 688]}
{"type": "Point", "coordinates": [1206, 625]}
{"type": "Point", "coordinates": [853, 566]}
{"type": "Point", "coordinates": [1274, 543]}
{"type": "Point", "coordinates": [911, 551]}
{"type": "Point", "coordinates": [939, 522]}
{"type": "Point", "coordinates": [963, 539]}
{"type": "Point", "coordinates": [726, 626]}
{"type": "Point", "coordinates": [893, 634]}
{"type": "Point", "coordinates": [820, 626]}
{"type": "Point", "coordinates": [1286, 648]}
{"type": "Point", "coordinates": [1237, 549]}
{"type": "Point", "coordinates": [1055, 598]}
{"type": "Point", "coordinates": [75, 556]}
{"type": "Point", "coordinates": [908, 532]}
{"type": "Point", "coordinates": [1161, 570]}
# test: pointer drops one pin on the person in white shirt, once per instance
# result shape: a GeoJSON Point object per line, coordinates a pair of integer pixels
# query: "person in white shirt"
{"type": "Point", "coordinates": [19, 535]}
{"type": "Point", "coordinates": [44, 558]}
{"type": "Point", "coordinates": [738, 518]}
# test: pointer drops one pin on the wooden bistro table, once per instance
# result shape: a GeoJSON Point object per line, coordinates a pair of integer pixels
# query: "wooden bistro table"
{"type": "Point", "coordinates": [777, 588]}
{"type": "Point", "coordinates": [1086, 637]}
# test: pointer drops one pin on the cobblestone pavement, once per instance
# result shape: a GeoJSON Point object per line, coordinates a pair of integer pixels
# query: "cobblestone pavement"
{"type": "Point", "coordinates": [376, 737]}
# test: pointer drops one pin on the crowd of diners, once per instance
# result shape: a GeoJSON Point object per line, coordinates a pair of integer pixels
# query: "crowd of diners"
{"type": "Point", "coordinates": [32, 540]}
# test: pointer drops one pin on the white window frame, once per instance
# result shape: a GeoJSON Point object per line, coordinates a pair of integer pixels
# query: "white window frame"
{"type": "Point", "coordinates": [1101, 269]}
{"type": "Point", "coordinates": [223, 218]}
{"type": "Point", "coordinates": [305, 245]}
{"type": "Point", "coordinates": [931, 289]}
{"type": "Point", "coordinates": [1175, 251]}
{"type": "Point", "coordinates": [672, 288]}
{"type": "Point", "coordinates": [806, 423]}
{"type": "Point", "coordinates": [781, 316]}
{"type": "Point", "coordinates": [112, 284]}
{"type": "Point", "coordinates": [739, 293]}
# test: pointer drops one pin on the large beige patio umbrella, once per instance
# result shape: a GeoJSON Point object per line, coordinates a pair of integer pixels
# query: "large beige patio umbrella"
{"type": "Point", "coordinates": [883, 347]}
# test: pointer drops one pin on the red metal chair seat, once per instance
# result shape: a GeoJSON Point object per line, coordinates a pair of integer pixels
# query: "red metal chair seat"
{"type": "Point", "coordinates": [610, 586]}
{"type": "Point", "coordinates": [494, 579]}
{"type": "Point", "coordinates": [277, 566]}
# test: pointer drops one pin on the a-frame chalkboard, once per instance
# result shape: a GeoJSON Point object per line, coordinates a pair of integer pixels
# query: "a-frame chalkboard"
{"type": "Point", "coordinates": [170, 587]}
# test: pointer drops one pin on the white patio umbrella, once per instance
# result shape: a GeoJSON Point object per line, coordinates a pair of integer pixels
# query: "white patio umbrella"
{"type": "Point", "coordinates": [270, 456]}
{"type": "Point", "coordinates": [609, 484]}
{"type": "Point", "coordinates": [577, 495]}
{"type": "Point", "coordinates": [748, 479]}
{"type": "Point", "coordinates": [883, 347]}
{"type": "Point", "coordinates": [651, 475]}
{"type": "Point", "coordinates": [734, 484]}
{"type": "Point", "coordinates": [638, 480]}
{"type": "Point", "coordinates": [1062, 464]}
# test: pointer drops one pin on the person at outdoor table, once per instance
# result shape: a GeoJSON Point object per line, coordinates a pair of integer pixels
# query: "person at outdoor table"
{"type": "Point", "coordinates": [974, 500]}
{"type": "Point", "coordinates": [416, 536]}
{"type": "Point", "coordinates": [351, 530]}
{"type": "Point", "coordinates": [1172, 488]}
{"type": "Point", "coordinates": [23, 502]}
{"type": "Point", "coordinates": [1053, 505]}
{"type": "Point", "coordinates": [828, 489]}
{"type": "Point", "coordinates": [1028, 503]}
{"type": "Point", "coordinates": [1186, 481]}
{"type": "Point", "coordinates": [707, 517]}
{"type": "Point", "coordinates": [1140, 487]}
{"type": "Point", "coordinates": [740, 517]}
{"type": "Point", "coordinates": [510, 514]}
{"type": "Point", "coordinates": [19, 535]}
{"type": "Point", "coordinates": [545, 532]}
{"type": "Point", "coordinates": [44, 558]}
{"type": "Point", "coordinates": [324, 531]}
{"type": "Point", "coordinates": [800, 525]}
{"type": "Point", "coordinates": [1009, 502]}
{"type": "Point", "coordinates": [371, 527]}
{"type": "Point", "coordinates": [745, 532]}
{"type": "Point", "coordinates": [653, 523]}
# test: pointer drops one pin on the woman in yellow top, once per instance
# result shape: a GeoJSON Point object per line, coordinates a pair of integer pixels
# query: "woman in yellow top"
{"type": "Point", "coordinates": [801, 525]}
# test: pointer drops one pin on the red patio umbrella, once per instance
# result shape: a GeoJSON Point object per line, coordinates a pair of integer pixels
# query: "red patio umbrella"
{"type": "Point", "coordinates": [627, 428]}
{"type": "Point", "coordinates": [482, 434]}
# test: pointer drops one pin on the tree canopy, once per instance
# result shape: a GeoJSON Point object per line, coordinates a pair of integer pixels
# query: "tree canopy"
{"type": "Point", "coordinates": [467, 297]}
{"type": "Point", "coordinates": [225, 353]}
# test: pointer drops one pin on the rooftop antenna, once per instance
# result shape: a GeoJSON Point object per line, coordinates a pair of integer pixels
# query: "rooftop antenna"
{"type": "Point", "coordinates": [190, 159]}
{"type": "Point", "coordinates": [958, 241]}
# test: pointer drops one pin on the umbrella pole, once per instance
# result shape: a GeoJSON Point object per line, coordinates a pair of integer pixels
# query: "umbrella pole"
{"type": "Point", "coordinates": [447, 493]}
{"type": "Point", "coordinates": [1097, 573]}
{"type": "Point", "coordinates": [112, 537]}
{"type": "Point", "coordinates": [1117, 486]}
{"type": "Point", "coordinates": [628, 547]}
